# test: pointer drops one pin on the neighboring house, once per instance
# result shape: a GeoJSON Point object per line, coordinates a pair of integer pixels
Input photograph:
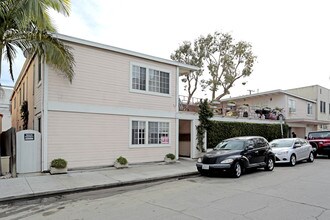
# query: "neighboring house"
{"type": "Point", "coordinates": [299, 110]}
{"type": "Point", "coordinates": [120, 103]}
{"type": "Point", "coordinates": [5, 94]}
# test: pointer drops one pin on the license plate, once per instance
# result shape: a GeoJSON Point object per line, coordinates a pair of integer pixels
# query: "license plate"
{"type": "Point", "coordinates": [205, 167]}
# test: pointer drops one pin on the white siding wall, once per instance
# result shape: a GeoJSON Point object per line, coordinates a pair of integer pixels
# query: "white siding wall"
{"type": "Point", "coordinates": [5, 94]}
{"type": "Point", "coordinates": [89, 120]}
{"type": "Point", "coordinates": [98, 139]}
{"type": "Point", "coordinates": [103, 78]}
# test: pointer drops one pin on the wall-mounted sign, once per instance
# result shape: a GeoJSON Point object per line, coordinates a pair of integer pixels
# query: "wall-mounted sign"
{"type": "Point", "coordinates": [28, 137]}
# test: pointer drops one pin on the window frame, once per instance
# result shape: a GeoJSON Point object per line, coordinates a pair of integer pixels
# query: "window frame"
{"type": "Point", "coordinates": [147, 91]}
{"type": "Point", "coordinates": [309, 108]}
{"type": "Point", "coordinates": [146, 137]}
{"type": "Point", "coordinates": [293, 106]}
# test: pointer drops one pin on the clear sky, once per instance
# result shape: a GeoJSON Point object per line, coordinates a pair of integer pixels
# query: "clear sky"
{"type": "Point", "coordinates": [290, 38]}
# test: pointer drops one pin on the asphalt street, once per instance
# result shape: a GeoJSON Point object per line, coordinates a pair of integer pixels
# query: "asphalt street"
{"type": "Point", "coordinates": [300, 192]}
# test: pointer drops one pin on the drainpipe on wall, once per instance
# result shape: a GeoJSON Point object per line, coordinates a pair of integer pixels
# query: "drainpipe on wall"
{"type": "Point", "coordinates": [44, 117]}
{"type": "Point", "coordinates": [176, 116]}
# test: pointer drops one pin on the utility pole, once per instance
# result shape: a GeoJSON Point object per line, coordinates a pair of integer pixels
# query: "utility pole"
{"type": "Point", "coordinates": [250, 91]}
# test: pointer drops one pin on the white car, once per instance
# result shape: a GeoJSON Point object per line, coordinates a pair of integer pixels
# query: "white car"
{"type": "Point", "coordinates": [291, 150]}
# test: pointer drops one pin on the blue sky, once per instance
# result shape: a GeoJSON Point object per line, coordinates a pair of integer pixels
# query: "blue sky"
{"type": "Point", "coordinates": [290, 38]}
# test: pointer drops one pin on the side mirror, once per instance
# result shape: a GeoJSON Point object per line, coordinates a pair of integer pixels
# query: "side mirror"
{"type": "Point", "coordinates": [296, 145]}
{"type": "Point", "coordinates": [249, 147]}
{"type": "Point", "coordinates": [209, 150]}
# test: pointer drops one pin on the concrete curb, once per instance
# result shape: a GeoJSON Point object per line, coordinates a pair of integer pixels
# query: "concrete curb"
{"type": "Point", "coordinates": [94, 187]}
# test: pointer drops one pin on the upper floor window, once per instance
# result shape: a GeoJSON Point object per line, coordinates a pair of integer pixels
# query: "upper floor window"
{"type": "Point", "coordinates": [156, 81]}
{"type": "Point", "coordinates": [139, 78]}
{"type": "Point", "coordinates": [292, 105]}
{"type": "Point", "coordinates": [24, 91]}
{"type": "Point", "coordinates": [309, 108]}
{"type": "Point", "coordinates": [39, 69]}
{"type": "Point", "coordinates": [159, 81]}
{"type": "Point", "coordinates": [322, 107]}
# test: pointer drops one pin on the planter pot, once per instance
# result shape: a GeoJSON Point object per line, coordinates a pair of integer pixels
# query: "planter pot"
{"type": "Point", "coordinates": [54, 170]}
{"type": "Point", "coordinates": [120, 166]}
{"type": "Point", "coordinates": [169, 160]}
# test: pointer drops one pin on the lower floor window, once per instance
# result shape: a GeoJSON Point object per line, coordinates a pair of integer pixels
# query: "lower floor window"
{"type": "Point", "coordinates": [158, 132]}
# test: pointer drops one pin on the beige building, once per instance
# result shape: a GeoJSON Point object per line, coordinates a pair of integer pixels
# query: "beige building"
{"type": "Point", "coordinates": [5, 94]}
{"type": "Point", "coordinates": [120, 103]}
{"type": "Point", "coordinates": [299, 108]}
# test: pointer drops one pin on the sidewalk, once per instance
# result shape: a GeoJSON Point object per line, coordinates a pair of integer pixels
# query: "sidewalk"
{"type": "Point", "coordinates": [42, 184]}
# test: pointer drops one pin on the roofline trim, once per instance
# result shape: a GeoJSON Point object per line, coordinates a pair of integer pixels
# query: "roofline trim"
{"type": "Point", "coordinates": [268, 93]}
{"type": "Point", "coordinates": [123, 51]}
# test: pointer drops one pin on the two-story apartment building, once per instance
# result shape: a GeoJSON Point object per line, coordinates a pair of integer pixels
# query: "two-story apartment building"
{"type": "Point", "coordinates": [298, 110]}
{"type": "Point", "coordinates": [120, 103]}
{"type": "Point", "coordinates": [5, 94]}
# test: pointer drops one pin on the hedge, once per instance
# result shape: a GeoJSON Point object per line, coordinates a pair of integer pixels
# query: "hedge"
{"type": "Point", "coordinates": [219, 131]}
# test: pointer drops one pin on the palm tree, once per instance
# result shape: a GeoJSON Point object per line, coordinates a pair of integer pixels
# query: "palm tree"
{"type": "Point", "coordinates": [26, 25]}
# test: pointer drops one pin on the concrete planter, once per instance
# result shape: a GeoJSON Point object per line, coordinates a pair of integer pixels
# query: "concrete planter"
{"type": "Point", "coordinates": [120, 166]}
{"type": "Point", "coordinates": [169, 160]}
{"type": "Point", "coordinates": [54, 170]}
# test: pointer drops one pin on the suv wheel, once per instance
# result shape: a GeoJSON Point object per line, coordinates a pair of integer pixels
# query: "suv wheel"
{"type": "Point", "coordinates": [270, 164]}
{"type": "Point", "coordinates": [237, 171]}
{"type": "Point", "coordinates": [293, 160]}
{"type": "Point", "coordinates": [311, 157]}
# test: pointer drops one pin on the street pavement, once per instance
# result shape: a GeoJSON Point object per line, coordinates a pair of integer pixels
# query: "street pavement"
{"type": "Point", "coordinates": [43, 184]}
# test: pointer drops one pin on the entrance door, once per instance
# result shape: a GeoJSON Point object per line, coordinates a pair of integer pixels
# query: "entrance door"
{"type": "Point", "coordinates": [184, 138]}
{"type": "Point", "coordinates": [28, 143]}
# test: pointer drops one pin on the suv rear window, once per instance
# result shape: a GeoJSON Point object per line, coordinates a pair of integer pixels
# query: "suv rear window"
{"type": "Point", "coordinates": [319, 135]}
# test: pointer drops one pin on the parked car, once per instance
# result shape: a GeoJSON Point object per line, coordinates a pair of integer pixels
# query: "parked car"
{"type": "Point", "coordinates": [292, 150]}
{"type": "Point", "coordinates": [235, 155]}
{"type": "Point", "coordinates": [320, 141]}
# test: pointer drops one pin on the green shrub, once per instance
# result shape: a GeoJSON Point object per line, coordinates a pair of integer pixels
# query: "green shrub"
{"type": "Point", "coordinates": [122, 160]}
{"type": "Point", "coordinates": [219, 131]}
{"type": "Point", "coordinates": [170, 156]}
{"type": "Point", "coordinates": [59, 163]}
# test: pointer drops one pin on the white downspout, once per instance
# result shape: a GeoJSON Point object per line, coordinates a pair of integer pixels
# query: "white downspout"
{"type": "Point", "coordinates": [176, 114]}
{"type": "Point", "coordinates": [44, 117]}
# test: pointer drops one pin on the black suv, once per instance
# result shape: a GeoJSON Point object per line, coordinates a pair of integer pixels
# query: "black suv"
{"type": "Point", "coordinates": [234, 155]}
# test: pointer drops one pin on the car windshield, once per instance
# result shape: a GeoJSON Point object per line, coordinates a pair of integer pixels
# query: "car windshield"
{"type": "Point", "coordinates": [281, 143]}
{"type": "Point", "coordinates": [230, 145]}
{"type": "Point", "coordinates": [318, 135]}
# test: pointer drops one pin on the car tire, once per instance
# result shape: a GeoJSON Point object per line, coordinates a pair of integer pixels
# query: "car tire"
{"type": "Point", "coordinates": [311, 157]}
{"type": "Point", "coordinates": [293, 160]}
{"type": "Point", "coordinates": [237, 170]}
{"type": "Point", "coordinates": [270, 164]}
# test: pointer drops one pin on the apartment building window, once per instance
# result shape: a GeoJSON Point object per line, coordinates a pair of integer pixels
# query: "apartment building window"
{"type": "Point", "coordinates": [138, 132]}
{"type": "Point", "coordinates": [322, 107]}
{"type": "Point", "coordinates": [139, 78]}
{"type": "Point", "coordinates": [150, 79]}
{"type": "Point", "coordinates": [159, 81]}
{"type": "Point", "coordinates": [24, 91]}
{"type": "Point", "coordinates": [20, 96]}
{"type": "Point", "coordinates": [39, 69]}
{"type": "Point", "coordinates": [158, 133]}
{"type": "Point", "coordinates": [309, 108]}
{"type": "Point", "coordinates": [292, 105]}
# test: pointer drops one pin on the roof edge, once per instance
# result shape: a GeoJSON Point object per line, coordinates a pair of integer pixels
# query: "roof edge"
{"type": "Point", "coordinates": [123, 51]}
{"type": "Point", "coordinates": [268, 93]}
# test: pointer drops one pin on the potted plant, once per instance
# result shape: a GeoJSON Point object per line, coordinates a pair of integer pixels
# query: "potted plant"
{"type": "Point", "coordinates": [121, 162]}
{"type": "Point", "coordinates": [169, 158]}
{"type": "Point", "coordinates": [58, 166]}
